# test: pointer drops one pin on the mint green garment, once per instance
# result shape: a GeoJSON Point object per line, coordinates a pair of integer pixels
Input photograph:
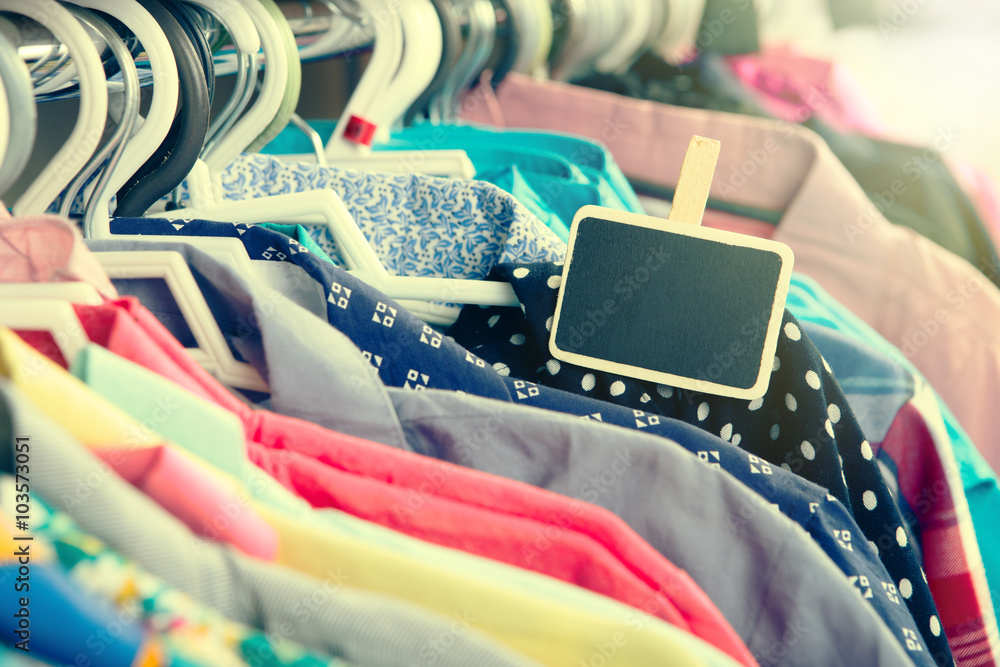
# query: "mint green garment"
{"type": "Point", "coordinates": [556, 174]}
{"type": "Point", "coordinates": [140, 393]}
{"type": "Point", "coordinates": [810, 303]}
{"type": "Point", "coordinates": [299, 233]}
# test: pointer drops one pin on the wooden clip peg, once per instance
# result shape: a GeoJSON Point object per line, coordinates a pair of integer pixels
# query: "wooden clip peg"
{"type": "Point", "coordinates": [695, 181]}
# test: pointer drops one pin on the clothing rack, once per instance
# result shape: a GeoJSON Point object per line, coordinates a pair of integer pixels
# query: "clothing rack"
{"type": "Point", "coordinates": [309, 22]}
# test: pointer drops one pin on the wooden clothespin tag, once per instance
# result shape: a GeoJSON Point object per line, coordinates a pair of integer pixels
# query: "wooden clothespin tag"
{"type": "Point", "coordinates": [670, 301]}
{"type": "Point", "coordinates": [695, 181]}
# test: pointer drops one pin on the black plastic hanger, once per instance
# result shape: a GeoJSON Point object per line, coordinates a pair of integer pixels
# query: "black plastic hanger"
{"type": "Point", "coordinates": [175, 157]}
{"type": "Point", "coordinates": [185, 15]}
{"type": "Point", "coordinates": [507, 43]}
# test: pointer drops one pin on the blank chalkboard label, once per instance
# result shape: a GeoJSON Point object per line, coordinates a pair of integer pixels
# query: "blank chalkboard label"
{"type": "Point", "coordinates": [670, 302]}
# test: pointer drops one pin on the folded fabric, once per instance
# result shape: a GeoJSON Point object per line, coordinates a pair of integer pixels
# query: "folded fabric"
{"type": "Point", "coordinates": [812, 304]}
{"type": "Point", "coordinates": [423, 573]}
{"type": "Point", "coordinates": [444, 504]}
{"type": "Point", "coordinates": [741, 600]}
{"type": "Point", "coordinates": [322, 613]}
{"type": "Point", "coordinates": [936, 308]}
{"type": "Point", "coordinates": [136, 453]}
{"type": "Point", "coordinates": [825, 519]}
{"type": "Point", "coordinates": [412, 221]}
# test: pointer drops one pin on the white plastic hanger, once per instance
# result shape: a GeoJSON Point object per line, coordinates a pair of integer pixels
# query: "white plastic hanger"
{"type": "Point", "coordinates": [482, 26]}
{"type": "Point", "coordinates": [204, 198]}
{"type": "Point", "coordinates": [534, 21]}
{"type": "Point", "coordinates": [73, 292]}
{"type": "Point", "coordinates": [387, 54]}
{"type": "Point", "coordinates": [422, 36]}
{"type": "Point", "coordinates": [156, 126]}
{"type": "Point", "coordinates": [368, 104]}
{"type": "Point", "coordinates": [658, 24]}
{"type": "Point", "coordinates": [206, 202]}
{"type": "Point", "coordinates": [602, 24]}
{"type": "Point", "coordinates": [21, 125]}
{"type": "Point", "coordinates": [357, 253]}
{"type": "Point", "coordinates": [86, 134]}
{"type": "Point", "coordinates": [4, 127]}
{"type": "Point", "coordinates": [112, 150]}
{"type": "Point", "coordinates": [325, 207]}
{"type": "Point", "coordinates": [268, 101]}
{"type": "Point", "coordinates": [630, 41]}
{"type": "Point", "coordinates": [213, 352]}
{"type": "Point", "coordinates": [683, 20]}
{"type": "Point", "coordinates": [51, 315]}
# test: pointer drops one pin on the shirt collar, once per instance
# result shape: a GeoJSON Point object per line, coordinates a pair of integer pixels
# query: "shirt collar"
{"type": "Point", "coordinates": [295, 346]}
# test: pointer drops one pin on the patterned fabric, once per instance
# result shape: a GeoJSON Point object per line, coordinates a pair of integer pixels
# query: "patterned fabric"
{"type": "Point", "coordinates": [803, 423]}
{"type": "Point", "coordinates": [878, 379]}
{"type": "Point", "coordinates": [317, 374]}
{"type": "Point", "coordinates": [411, 221]}
{"type": "Point", "coordinates": [189, 630]}
{"type": "Point", "coordinates": [551, 173]}
{"type": "Point", "coordinates": [63, 618]}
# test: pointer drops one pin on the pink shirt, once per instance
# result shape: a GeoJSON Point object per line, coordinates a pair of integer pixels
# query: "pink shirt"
{"type": "Point", "coordinates": [47, 249]}
{"type": "Point", "coordinates": [795, 88]}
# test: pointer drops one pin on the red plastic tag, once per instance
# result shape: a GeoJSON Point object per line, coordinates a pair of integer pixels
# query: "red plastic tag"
{"type": "Point", "coordinates": [360, 131]}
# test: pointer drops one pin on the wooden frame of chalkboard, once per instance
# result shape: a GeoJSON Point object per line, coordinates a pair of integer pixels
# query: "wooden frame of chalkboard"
{"type": "Point", "coordinates": [755, 285]}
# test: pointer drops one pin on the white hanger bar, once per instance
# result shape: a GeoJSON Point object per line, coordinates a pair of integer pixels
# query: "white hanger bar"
{"type": "Point", "coordinates": [213, 351]}
{"type": "Point", "coordinates": [73, 292]}
{"type": "Point", "coordinates": [166, 91]}
{"type": "Point", "coordinates": [56, 317]}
